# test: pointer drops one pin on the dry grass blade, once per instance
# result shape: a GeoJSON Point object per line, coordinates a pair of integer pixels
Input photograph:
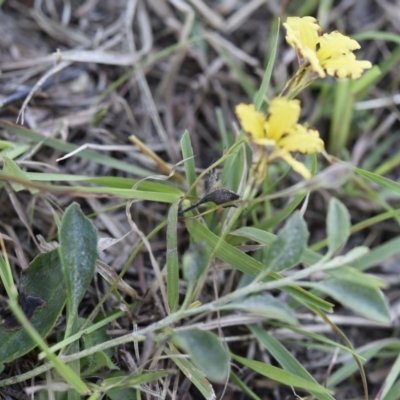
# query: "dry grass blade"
{"type": "Point", "coordinates": [111, 277]}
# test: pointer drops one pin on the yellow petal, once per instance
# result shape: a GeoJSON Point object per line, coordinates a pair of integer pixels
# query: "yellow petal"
{"type": "Point", "coordinates": [334, 44]}
{"type": "Point", "coordinates": [282, 116]}
{"type": "Point", "coordinates": [296, 165]}
{"type": "Point", "coordinates": [312, 57]}
{"type": "Point", "coordinates": [302, 33]}
{"type": "Point", "coordinates": [337, 59]}
{"type": "Point", "coordinates": [346, 67]}
{"type": "Point", "coordinates": [265, 142]}
{"type": "Point", "coordinates": [303, 140]}
{"type": "Point", "coordinates": [251, 120]}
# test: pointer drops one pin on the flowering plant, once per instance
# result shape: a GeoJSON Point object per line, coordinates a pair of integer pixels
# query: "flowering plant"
{"type": "Point", "coordinates": [278, 134]}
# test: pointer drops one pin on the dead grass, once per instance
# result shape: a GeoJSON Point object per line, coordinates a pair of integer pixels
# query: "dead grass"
{"type": "Point", "coordinates": [95, 72]}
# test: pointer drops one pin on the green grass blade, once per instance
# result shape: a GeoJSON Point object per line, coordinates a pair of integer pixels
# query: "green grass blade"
{"type": "Point", "coordinates": [192, 373]}
{"type": "Point", "coordinates": [260, 95]}
{"type": "Point", "coordinates": [244, 81]}
{"type": "Point", "coordinates": [342, 117]}
{"type": "Point", "coordinates": [284, 357]}
{"type": "Point", "coordinates": [348, 369]}
{"type": "Point", "coordinates": [380, 180]}
{"type": "Point", "coordinates": [243, 387]}
{"type": "Point", "coordinates": [282, 214]}
{"type": "Point", "coordinates": [67, 148]}
{"type": "Point", "coordinates": [391, 377]}
{"type": "Point", "coordinates": [172, 258]}
{"type": "Point", "coordinates": [393, 392]}
{"type": "Point", "coordinates": [379, 254]}
{"type": "Point", "coordinates": [187, 154]}
{"type": "Point", "coordinates": [285, 377]}
{"type": "Point", "coordinates": [247, 264]}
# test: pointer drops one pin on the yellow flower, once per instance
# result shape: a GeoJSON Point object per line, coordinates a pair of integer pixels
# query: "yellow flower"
{"type": "Point", "coordinates": [329, 53]}
{"type": "Point", "coordinates": [280, 131]}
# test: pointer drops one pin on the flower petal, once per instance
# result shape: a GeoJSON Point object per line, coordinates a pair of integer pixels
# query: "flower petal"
{"type": "Point", "coordinates": [346, 67]}
{"type": "Point", "coordinates": [282, 117]}
{"type": "Point", "coordinates": [251, 120]}
{"type": "Point", "coordinates": [265, 142]}
{"type": "Point", "coordinates": [335, 50]}
{"type": "Point", "coordinates": [334, 45]}
{"type": "Point", "coordinates": [297, 166]}
{"type": "Point", "coordinates": [303, 140]}
{"type": "Point", "coordinates": [302, 33]}
{"type": "Point", "coordinates": [312, 58]}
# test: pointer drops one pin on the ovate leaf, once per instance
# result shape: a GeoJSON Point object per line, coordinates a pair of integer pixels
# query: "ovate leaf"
{"type": "Point", "coordinates": [43, 280]}
{"type": "Point", "coordinates": [362, 299]}
{"type": "Point", "coordinates": [338, 225]}
{"type": "Point", "coordinates": [289, 245]}
{"type": "Point", "coordinates": [246, 264]}
{"type": "Point", "coordinates": [191, 372]}
{"type": "Point", "coordinates": [78, 255]}
{"type": "Point", "coordinates": [195, 261]}
{"type": "Point", "coordinates": [94, 362]}
{"type": "Point", "coordinates": [207, 352]}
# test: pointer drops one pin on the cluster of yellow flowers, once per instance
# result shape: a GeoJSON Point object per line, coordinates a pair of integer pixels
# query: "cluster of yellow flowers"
{"type": "Point", "coordinates": [278, 133]}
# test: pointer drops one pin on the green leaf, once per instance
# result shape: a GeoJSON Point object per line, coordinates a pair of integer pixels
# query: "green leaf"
{"type": "Point", "coordinates": [44, 280]}
{"type": "Point", "coordinates": [380, 254]}
{"type": "Point", "coordinates": [281, 376]}
{"type": "Point", "coordinates": [281, 214]}
{"type": "Point", "coordinates": [259, 98]}
{"type": "Point", "coordinates": [247, 264]}
{"type": "Point", "coordinates": [391, 377]}
{"type": "Point", "coordinates": [6, 278]}
{"type": "Point", "coordinates": [195, 261]}
{"type": "Point", "coordinates": [94, 362]}
{"type": "Point", "coordinates": [353, 275]}
{"type": "Point", "coordinates": [380, 180]}
{"type": "Point", "coordinates": [207, 352]}
{"type": "Point", "coordinates": [122, 380]}
{"type": "Point", "coordinates": [266, 305]}
{"type": "Point", "coordinates": [59, 144]}
{"type": "Point", "coordinates": [338, 225]}
{"type": "Point", "coordinates": [311, 257]}
{"type": "Point", "coordinates": [78, 256]}
{"type": "Point", "coordinates": [342, 115]}
{"type": "Point", "coordinates": [172, 257]}
{"type": "Point", "coordinates": [121, 394]}
{"type": "Point", "coordinates": [363, 300]}
{"type": "Point", "coordinates": [12, 150]}
{"type": "Point", "coordinates": [285, 358]}
{"type": "Point", "coordinates": [187, 154]}
{"type": "Point", "coordinates": [11, 168]}
{"type": "Point", "coordinates": [192, 373]}
{"type": "Point", "coordinates": [289, 245]}
{"type": "Point", "coordinates": [393, 392]}
{"type": "Point", "coordinates": [350, 257]}
{"type": "Point", "coordinates": [320, 338]}
{"type": "Point", "coordinates": [243, 387]}
{"type": "Point", "coordinates": [348, 369]}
